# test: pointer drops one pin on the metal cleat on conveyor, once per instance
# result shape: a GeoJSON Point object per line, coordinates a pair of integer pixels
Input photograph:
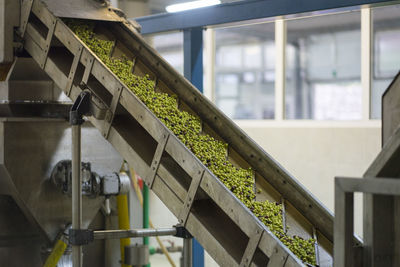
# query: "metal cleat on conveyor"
{"type": "Point", "coordinates": [223, 225]}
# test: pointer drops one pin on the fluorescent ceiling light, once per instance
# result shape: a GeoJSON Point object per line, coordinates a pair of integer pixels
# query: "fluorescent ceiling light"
{"type": "Point", "coordinates": [191, 5]}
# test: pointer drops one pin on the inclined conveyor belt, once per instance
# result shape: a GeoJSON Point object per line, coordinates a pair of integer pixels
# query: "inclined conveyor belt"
{"type": "Point", "coordinates": [223, 225]}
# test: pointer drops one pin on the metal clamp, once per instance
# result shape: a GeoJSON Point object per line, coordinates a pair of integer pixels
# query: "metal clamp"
{"type": "Point", "coordinates": [72, 71]}
{"type": "Point", "coordinates": [283, 201]}
{"type": "Point", "coordinates": [251, 248]}
{"type": "Point", "coordinates": [49, 38]}
{"type": "Point", "coordinates": [26, 10]}
{"type": "Point", "coordinates": [156, 159]}
{"type": "Point", "coordinates": [316, 247]}
{"type": "Point", "coordinates": [79, 237]}
{"type": "Point", "coordinates": [111, 111]}
{"type": "Point", "coordinates": [194, 185]}
{"type": "Point", "coordinates": [182, 232]}
{"type": "Point", "coordinates": [88, 69]}
{"type": "Point", "coordinates": [80, 108]}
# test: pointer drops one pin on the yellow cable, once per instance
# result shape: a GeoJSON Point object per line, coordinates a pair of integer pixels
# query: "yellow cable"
{"type": "Point", "coordinates": [140, 197]}
{"type": "Point", "coordinates": [56, 253]}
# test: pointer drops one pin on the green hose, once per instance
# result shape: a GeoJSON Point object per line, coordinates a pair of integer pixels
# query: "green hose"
{"type": "Point", "coordinates": [146, 214]}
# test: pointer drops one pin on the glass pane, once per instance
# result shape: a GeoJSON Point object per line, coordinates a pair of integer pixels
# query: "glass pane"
{"type": "Point", "coordinates": [227, 85]}
{"type": "Point", "coordinates": [228, 106]}
{"type": "Point", "coordinates": [245, 71]}
{"type": "Point", "coordinates": [337, 101]}
{"type": "Point", "coordinates": [323, 67]}
{"type": "Point", "coordinates": [229, 56]}
{"type": "Point", "coordinates": [252, 56]}
{"type": "Point", "coordinates": [386, 53]}
{"type": "Point", "coordinates": [318, 47]}
{"type": "Point", "coordinates": [170, 47]}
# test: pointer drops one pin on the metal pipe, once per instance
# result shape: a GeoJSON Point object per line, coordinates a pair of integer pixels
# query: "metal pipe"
{"type": "Point", "coordinates": [76, 192]}
{"type": "Point", "coordinates": [140, 197]}
{"type": "Point", "coordinates": [187, 252]}
{"type": "Point", "coordinates": [109, 234]}
{"type": "Point", "coordinates": [172, 248]}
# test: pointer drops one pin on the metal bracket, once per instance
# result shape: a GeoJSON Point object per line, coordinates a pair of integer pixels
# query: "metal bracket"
{"type": "Point", "coordinates": [283, 201]}
{"type": "Point", "coordinates": [111, 111]}
{"type": "Point", "coordinates": [73, 69]}
{"type": "Point", "coordinates": [156, 159]}
{"type": "Point", "coordinates": [182, 232]}
{"type": "Point", "coordinates": [279, 257]}
{"type": "Point", "coordinates": [80, 108]}
{"type": "Point", "coordinates": [194, 185]}
{"type": "Point", "coordinates": [49, 38]}
{"type": "Point", "coordinates": [251, 248]}
{"type": "Point", "coordinates": [79, 237]}
{"type": "Point", "coordinates": [88, 69]}
{"type": "Point", "coordinates": [26, 11]}
{"type": "Point", "coordinates": [316, 247]}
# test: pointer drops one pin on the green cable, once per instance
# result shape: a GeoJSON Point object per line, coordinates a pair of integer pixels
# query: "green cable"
{"type": "Point", "coordinates": [146, 214]}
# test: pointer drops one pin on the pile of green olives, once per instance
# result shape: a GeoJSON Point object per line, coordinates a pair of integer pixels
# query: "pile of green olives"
{"type": "Point", "coordinates": [188, 128]}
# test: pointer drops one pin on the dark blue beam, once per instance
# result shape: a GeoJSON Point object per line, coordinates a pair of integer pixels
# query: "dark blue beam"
{"type": "Point", "coordinates": [240, 11]}
{"type": "Point", "coordinates": [193, 56]}
{"type": "Point", "coordinates": [193, 71]}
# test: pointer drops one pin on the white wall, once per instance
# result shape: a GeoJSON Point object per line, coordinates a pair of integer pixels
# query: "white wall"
{"type": "Point", "coordinates": [316, 152]}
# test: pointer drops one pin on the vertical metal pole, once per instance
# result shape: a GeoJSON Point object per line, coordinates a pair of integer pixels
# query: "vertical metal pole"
{"type": "Point", "coordinates": [76, 192]}
{"type": "Point", "coordinates": [193, 71]}
{"type": "Point", "coordinates": [280, 68]}
{"type": "Point", "coordinates": [343, 227]}
{"type": "Point", "coordinates": [379, 234]}
{"type": "Point", "coordinates": [209, 68]}
{"type": "Point", "coordinates": [187, 252]}
{"type": "Point", "coordinates": [366, 61]}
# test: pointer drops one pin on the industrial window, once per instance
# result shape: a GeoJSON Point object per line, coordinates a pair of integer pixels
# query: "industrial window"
{"type": "Point", "coordinates": [386, 53]}
{"type": "Point", "coordinates": [245, 71]}
{"type": "Point", "coordinates": [170, 47]}
{"type": "Point", "coordinates": [323, 67]}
